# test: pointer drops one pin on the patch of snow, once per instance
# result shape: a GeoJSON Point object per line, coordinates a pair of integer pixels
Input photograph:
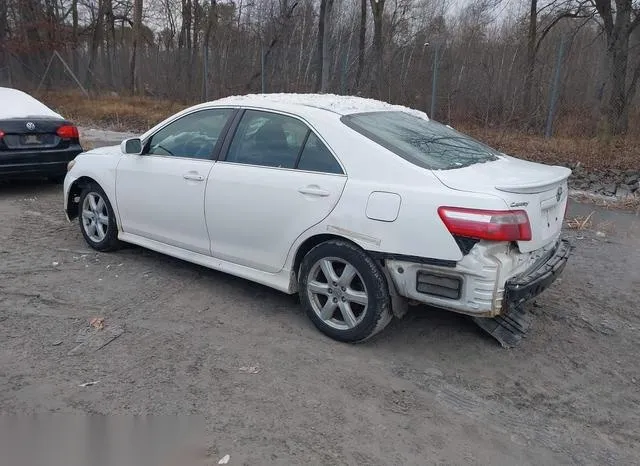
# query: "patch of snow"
{"type": "Point", "coordinates": [104, 137]}
{"type": "Point", "coordinates": [341, 104]}
{"type": "Point", "coordinates": [17, 104]}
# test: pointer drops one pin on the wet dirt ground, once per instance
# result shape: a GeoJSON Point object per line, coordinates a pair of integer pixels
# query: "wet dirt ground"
{"type": "Point", "coordinates": [431, 389]}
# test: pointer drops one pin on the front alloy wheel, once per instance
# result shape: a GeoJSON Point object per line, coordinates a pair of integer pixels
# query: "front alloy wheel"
{"type": "Point", "coordinates": [97, 221]}
{"type": "Point", "coordinates": [95, 217]}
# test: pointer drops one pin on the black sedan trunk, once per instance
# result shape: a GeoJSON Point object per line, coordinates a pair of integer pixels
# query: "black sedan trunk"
{"type": "Point", "coordinates": [37, 146]}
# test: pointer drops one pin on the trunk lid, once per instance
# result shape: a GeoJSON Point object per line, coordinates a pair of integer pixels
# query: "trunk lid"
{"type": "Point", "coordinates": [540, 190]}
{"type": "Point", "coordinates": [32, 133]}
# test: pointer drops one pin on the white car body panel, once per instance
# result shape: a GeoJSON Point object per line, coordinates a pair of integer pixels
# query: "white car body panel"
{"type": "Point", "coordinates": [156, 201]}
{"type": "Point", "coordinates": [529, 186]}
{"type": "Point", "coordinates": [254, 213]}
{"type": "Point", "coordinates": [250, 221]}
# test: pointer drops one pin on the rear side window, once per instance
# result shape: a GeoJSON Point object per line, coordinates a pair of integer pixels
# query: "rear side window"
{"type": "Point", "coordinates": [267, 139]}
{"type": "Point", "coordinates": [274, 140]}
{"type": "Point", "coordinates": [316, 157]}
{"type": "Point", "coordinates": [425, 143]}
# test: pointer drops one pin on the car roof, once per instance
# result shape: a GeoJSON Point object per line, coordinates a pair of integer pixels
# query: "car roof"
{"type": "Point", "coordinates": [297, 103]}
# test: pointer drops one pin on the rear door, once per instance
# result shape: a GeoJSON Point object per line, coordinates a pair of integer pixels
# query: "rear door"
{"type": "Point", "coordinates": [277, 180]}
{"type": "Point", "coordinates": [160, 194]}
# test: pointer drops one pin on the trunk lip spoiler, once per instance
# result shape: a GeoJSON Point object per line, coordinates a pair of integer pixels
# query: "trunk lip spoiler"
{"type": "Point", "coordinates": [534, 186]}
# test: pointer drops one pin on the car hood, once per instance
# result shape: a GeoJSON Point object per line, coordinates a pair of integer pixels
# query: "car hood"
{"type": "Point", "coordinates": [106, 150]}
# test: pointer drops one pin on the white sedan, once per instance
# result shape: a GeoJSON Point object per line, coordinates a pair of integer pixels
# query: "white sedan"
{"type": "Point", "coordinates": [359, 206]}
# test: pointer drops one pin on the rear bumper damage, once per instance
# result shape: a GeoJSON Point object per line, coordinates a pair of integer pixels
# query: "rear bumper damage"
{"type": "Point", "coordinates": [511, 326]}
{"type": "Point", "coordinates": [490, 283]}
{"type": "Point", "coordinates": [530, 284]}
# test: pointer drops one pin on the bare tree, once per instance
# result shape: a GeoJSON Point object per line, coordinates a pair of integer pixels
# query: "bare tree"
{"type": "Point", "coordinates": [377, 10]}
{"type": "Point", "coordinates": [137, 27]}
{"type": "Point", "coordinates": [362, 37]}
{"type": "Point", "coordinates": [322, 53]}
{"type": "Point", "coordinates": [620, 19]}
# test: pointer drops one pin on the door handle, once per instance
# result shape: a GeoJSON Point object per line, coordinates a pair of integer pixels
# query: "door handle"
{"type": "Point", "coordinates": [314, 191]}
{"type": "Point", "coordinates": [193, 177]}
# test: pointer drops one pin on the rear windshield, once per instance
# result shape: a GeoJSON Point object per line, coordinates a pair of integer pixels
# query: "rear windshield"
{"type": "Point", "coordinates": [426, 143]}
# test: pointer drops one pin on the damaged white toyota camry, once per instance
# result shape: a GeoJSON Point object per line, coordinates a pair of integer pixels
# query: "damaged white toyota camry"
{"type": "Point", "coordinates": [359, 206]}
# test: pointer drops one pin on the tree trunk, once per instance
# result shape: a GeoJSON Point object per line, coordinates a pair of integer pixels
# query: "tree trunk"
{"type": "Point", "coordinates": [109, 41]}
{"type": "Point", "coordinates": [320, 44]}
{"type": "Point", "coordinates": [212, 26]}
{"type": "Point", "coordinates": [96, 39]}
{"type": "Point", "coordinates": [531, 59]}
{"type": "Point", "coordinates": [618, 28]}
{"type": "Point", "coordinates": [324, 75]}
{"type": "Point", "coordinates": [74, 35]}
{"type": "Point", "coordinates": [4, 56]}
{"type": "Point", "coordinates": [617, 111]}
{"type": "Point", "coordinates": [361, 41]}
{"type": "Point", "coordinates": [377, 9]}
{"type": "Point", "coordinates": [137, 28]}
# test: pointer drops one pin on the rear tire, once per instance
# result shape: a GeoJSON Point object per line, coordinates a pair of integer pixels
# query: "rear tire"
{"type": "Point", "coordinates": [97, 220]}
{"type": "Point", "coordinates": [344, 292]}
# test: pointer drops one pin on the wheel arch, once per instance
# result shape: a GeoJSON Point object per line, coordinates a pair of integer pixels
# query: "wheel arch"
{"type": "Point", "coordinates": [73, 195]}
{"type": "Point", "coordinates": [310, 243]}
{"type": "Point", "coordinates": [398, 303]}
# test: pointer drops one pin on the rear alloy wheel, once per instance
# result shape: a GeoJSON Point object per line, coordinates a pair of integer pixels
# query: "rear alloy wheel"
{"type": "Point", "coordinates": [344, 292]}
{"type": "Point", "coordinates": [97, 221]}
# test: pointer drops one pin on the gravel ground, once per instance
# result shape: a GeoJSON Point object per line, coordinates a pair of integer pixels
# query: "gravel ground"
{"type": "Point", "coordinates": [431, 389]}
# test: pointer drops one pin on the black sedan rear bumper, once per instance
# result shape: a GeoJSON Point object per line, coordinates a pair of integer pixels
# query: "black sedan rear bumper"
{"type": "Point", "coordinates": [51, 162]}
{"type": "Point", "coordinates": [522, 288]}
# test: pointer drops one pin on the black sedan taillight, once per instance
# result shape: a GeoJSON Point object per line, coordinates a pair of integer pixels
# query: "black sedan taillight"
{"type": "Point", "coordinates": [68, 132]}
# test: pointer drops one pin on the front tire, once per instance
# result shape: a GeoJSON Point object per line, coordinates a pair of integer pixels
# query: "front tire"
{"type": "Point", "coordinates": [344, 292]}
{"type": "Point", "coordinates": [97, 220]}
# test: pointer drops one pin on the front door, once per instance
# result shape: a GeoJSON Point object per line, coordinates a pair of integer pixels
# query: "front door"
{"type": "Point", "coordinates": [160, 194]}
{"type": "Point", "coordinates": [277, 180]}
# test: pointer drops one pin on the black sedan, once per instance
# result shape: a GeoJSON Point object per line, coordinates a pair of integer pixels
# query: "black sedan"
{"type": "Point", "coordinates": [34, 140]}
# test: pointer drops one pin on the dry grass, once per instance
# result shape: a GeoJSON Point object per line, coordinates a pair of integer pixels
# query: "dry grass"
{"type": "Point", "coordinates": [592, 153]}
{"type": "Point", "coordinates": [112, 112]}
{"type": "Point", "coordinates": [580, 223]}
{"type": "Point", "coordinates": [140, 113]}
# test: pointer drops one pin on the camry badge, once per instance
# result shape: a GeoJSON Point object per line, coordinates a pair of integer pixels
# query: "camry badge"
{"type": "Point", "coordinates": [519, 204]}
{"type": "Point", "coordinates": [31, 126]}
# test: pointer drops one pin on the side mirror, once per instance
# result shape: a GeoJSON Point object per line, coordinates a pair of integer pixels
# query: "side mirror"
{"type": "Point", "coordinates": [131, 146]}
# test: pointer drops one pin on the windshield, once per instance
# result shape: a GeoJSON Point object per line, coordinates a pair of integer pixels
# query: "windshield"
{"type": "Point", "coordinates": [426, 143]}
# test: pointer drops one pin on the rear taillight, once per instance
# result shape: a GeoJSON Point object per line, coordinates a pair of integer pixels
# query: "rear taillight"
{"type": "Point", "coordinates": [68, 132]}
{"type": "Point", "coordinates": [491, 225]}
{"type": "Point", "coordinates": [1, 134]}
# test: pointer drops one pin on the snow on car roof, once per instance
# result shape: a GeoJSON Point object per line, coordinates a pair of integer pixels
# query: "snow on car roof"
{"type": "Point", "coordinates": [341, 104]}
{"type": "Point", "coordinates": [17, 104]}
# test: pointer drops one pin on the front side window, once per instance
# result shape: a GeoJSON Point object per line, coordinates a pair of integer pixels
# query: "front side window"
{"type": "Point", "coordinates": [425, 143]}
{"type": "Point", "coordinates": [194, 135]}
{"type": "Point", "coordinates": [267, 139]}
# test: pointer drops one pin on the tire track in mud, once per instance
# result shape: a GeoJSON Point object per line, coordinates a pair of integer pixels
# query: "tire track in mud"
{"type": "Point", "coordinates": [521, 425]}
